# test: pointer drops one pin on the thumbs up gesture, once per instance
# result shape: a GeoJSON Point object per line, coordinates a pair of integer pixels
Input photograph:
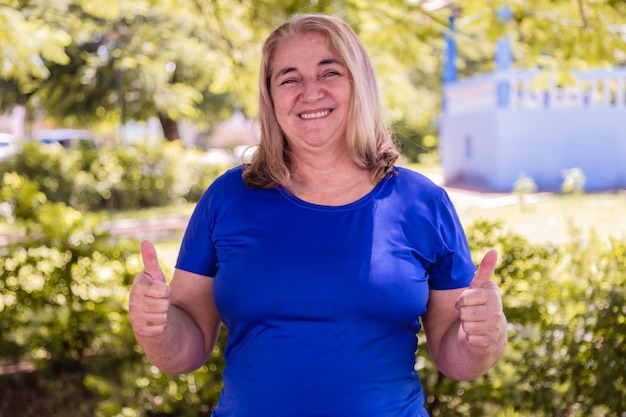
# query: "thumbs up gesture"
{"type": "Point", "coordinates": [149, 298]}
{"type": "Point", "coordinates": [480, 306]}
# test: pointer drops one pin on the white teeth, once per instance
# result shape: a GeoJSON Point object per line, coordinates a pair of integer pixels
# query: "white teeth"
{"type": "Point", "coordinates": [315, 115]}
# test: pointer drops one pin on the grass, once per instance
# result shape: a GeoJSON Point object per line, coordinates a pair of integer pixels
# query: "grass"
{"type": "Point", "coordinates": [559, 218]}
{"type": "Point", "coordinates": [543, 217]}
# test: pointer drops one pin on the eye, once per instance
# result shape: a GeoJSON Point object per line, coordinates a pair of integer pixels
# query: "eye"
{"type": "Point", "coordinates": [329, 74]}
{"type": "Point", "coordinates": [288, 81]}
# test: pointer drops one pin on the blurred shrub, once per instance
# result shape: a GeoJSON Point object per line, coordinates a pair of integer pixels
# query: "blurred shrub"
{"type": "Point", "coordinates": [142, 390]}
{"type": "Point", "coordinates": [567, 332]}
{"type": "Point", "coordinates": [64, 288]}
{"type": "Point", "coordinates": [63, 307]}
{"type": "Point", "coordinates": [195, 173]}
{"type": "Point", "coordinates": [63, 285]}
{"type": "Point", "coordinates": [51, 167]}
{"type": "Point", "coordinates": [415, 141]}
{"type": "Point", "coordinates": [574, 181]}
{"type": "Point", "coordinates": [116, 178]}
{"type": "Point", "coordinates": [523, 186]}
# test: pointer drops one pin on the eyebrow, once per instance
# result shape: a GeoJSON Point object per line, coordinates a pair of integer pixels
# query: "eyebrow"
{"type": "Point", "coordinates": [326, 61]}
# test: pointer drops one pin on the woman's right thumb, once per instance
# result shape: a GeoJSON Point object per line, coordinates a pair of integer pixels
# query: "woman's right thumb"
{"type": "Point", "coordinates": [150, 261]}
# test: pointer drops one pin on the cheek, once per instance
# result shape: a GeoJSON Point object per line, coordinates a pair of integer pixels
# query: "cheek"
{"type": "Point", "coordinates": [279, 101]}
{"type": "Point", "coordinates": [346, 95]}
{"type": "Point", "coordinates": [282, 109]}
{"type": "Point", "coordinates": [282, 118]}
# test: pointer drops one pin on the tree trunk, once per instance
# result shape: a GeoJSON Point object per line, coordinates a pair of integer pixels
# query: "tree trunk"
{"type": "Point", "coordinates": [170, 128]}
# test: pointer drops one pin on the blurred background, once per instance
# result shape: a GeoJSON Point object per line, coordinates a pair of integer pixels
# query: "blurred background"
{"type": "Point", "coordinates": [116, 117]}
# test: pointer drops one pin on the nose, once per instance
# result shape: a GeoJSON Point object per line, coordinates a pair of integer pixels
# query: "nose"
{"type": "Point", "coordinates": [312, 90]}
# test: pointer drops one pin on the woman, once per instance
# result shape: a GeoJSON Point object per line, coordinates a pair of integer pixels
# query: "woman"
{"type": "Point", "coordinates": [321, 256]}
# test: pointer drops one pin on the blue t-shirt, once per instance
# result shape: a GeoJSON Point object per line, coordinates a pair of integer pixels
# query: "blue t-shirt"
{"type": "Point", "coordinates": [322, 304]}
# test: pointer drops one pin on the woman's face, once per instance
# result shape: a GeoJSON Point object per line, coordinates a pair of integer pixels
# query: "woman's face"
{"type": "Point", "coordinates": [311, 92]}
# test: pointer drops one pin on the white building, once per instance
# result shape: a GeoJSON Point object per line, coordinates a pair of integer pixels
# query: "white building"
{"type": "Point", "coordinates": [498, 126]}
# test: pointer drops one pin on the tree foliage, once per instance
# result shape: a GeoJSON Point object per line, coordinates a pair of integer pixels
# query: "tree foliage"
{"type": "Point", "coordinates": [27, 46]}
{"type": "Point", "coordinates": [198, 59]}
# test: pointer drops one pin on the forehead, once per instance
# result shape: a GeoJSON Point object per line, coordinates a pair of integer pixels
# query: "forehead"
{"type": "Point", "coordinates": [302, 49]}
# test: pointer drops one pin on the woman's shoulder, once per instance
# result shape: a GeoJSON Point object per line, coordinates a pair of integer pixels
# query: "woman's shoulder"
{"type": "Point", "coordinates": [226, 183]}
{"type": "Point", "coordinates": [230, 178]}
{"type": "Point", "coordinates": [233, 174]}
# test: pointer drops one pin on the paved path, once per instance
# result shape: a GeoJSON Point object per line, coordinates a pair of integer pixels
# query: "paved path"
{"type": "Point", "coordinates": [465, 198]}
{"type": "Point", "coordinates": [153, 228]}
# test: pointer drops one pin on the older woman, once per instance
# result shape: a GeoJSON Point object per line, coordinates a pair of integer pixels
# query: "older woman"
{"type": "Point", "coordinates": [321, 256]}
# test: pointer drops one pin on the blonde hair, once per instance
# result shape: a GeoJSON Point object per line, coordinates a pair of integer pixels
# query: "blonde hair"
{"type": "Point", "coordinates": [368, 137]}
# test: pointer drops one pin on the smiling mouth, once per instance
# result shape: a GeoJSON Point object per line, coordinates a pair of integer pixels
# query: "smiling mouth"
{"type": "Point", "coordinates": [316, 115]}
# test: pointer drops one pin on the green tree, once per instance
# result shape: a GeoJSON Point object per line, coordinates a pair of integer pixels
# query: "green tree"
{"type": "Point", "coordinates": [26, 46]}
{"type": "Point", "coordinates": [198, 59]}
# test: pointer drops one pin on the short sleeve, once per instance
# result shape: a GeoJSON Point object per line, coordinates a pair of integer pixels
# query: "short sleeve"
{"type": "Point", "coordinates": [197, 252]}
{"type": "Point", "coordinates": [454, 267]}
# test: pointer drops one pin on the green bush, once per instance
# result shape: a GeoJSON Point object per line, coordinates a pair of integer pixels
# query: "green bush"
{"type": "Point", "coordinates": [194, 173]}
{"type": "Point", "coordinates": [63, 285]}
{"type": "Point", "coordinates": [142, 390]}
{"type": "Point", "coordinates": [415, 141]}
{"type": "Point", "coordinates": [567, 328]}
{"type": "Point", "coordinates": [51, 167]}
{"type": "Point", "coordinates": [63, 308]}
{"type": "Point", "coordinates": [116, 178]}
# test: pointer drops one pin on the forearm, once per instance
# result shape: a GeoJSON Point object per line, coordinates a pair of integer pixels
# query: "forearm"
{"type": "Point", "coordinates": [180, 348]}
{"type": "Point", "coordinates": [463, 361]}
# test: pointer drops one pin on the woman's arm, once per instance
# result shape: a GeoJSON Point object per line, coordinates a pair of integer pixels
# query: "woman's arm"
{"type": "Point", "coordinates": [176, 325]}
{"type": "Point", "coordinates": [466, 328]}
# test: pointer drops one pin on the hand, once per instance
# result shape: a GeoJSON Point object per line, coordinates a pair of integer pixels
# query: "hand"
{"type": "Point", "coordinates": [149, 299]}
{"type": "Point", "coordinates": [480, 306]}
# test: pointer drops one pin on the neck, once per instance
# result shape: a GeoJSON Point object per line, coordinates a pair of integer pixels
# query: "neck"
{"type": "Point", "coordinates": [333, 183]}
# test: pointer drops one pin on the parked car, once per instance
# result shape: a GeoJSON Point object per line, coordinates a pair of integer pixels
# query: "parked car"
{"type": "Point", "coordinates": [68, 138]}
{"type": "Point", "coordinates": [9, 146]}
